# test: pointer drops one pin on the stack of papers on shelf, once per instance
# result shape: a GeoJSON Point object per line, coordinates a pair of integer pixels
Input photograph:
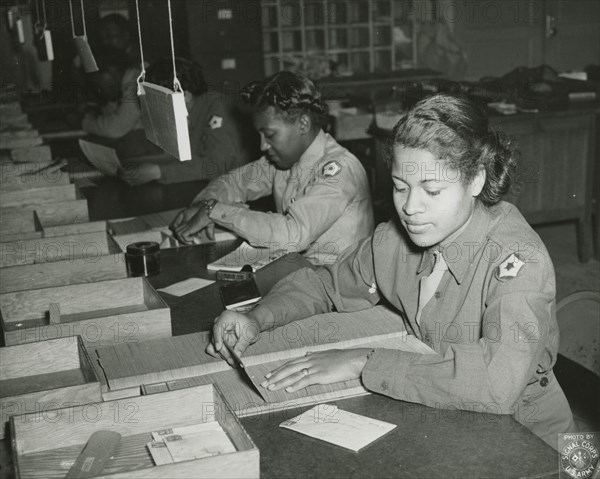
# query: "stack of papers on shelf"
{"type": "Point", "coordinates": [189, 442]}
{"type": "Point", "coordinates": [246, 255]}
{"type": "Point", "coordinates": [343, 428]}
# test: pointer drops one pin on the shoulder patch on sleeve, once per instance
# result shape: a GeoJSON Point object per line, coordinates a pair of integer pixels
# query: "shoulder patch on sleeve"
{"type": "Point", "coordinates": [215, 122]}
{"type": "Point", "coordinates": [510, 267]}
{"type": "Point", "coordinates": [331, 168]}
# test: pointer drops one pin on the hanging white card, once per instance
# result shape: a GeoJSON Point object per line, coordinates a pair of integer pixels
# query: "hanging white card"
{"type": "Point", "coordinates": [164, 117]}
{"type": "Point", "coordinates": [20, 32]}
{"type": "Point", "coordinates": [85, 54]}
{"type": "Point", "coordinates": [43, 44]}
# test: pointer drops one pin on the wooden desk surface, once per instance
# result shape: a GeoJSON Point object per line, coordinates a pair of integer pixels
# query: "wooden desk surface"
{"type": "Point", "coordinates": [428, 443]}
{"type": "Point", "coordinates": [115, 199]}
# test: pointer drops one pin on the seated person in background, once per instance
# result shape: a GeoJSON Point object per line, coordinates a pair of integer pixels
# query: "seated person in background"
{"type": "Point", "coordinates": [115, 32]}
{"type": "Point", "coordinates": [492, 320]}
{"type": "Point", "coordinates": [320, 189]}
{"type": "Point", "coordinates": [221, 139]}
{"type": "Point", "coordinates": [116, 82]}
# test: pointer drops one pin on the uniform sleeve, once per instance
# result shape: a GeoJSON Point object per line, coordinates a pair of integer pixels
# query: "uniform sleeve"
{"type": "Point", "coordinates": [313, 213]}
{"type": "Point", "coordinates": [124, 118]}
{"type": "Point", "coordinates": [489, 373]}
{"type": "Point", "coordinates": [246, 183]}
{"type": "Point", "coordinates": [216, 150]}
{"type": "Point", "coordinates": [348, 285]}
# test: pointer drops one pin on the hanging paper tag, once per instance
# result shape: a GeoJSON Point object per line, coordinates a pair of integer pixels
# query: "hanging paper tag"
{"type": "Point", "coordinates": [164, 116]}
{"type": "Point", "coordinates": [85, 54]}
{"type": "Point", "coordinates": [10, 17]}
{"type": "Point", "coordinates": [20, 32]}
{"type": "Point", "coordinates": [43, 44]}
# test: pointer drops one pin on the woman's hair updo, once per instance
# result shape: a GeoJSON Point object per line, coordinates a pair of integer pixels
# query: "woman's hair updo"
{"type": "Point", "coordinates": [457, 130]}
{"type": "Point", "coordinates": [290, 93]}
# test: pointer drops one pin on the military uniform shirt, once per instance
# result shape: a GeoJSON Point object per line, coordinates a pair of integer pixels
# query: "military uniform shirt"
{"type": "Point", "coordinates": [323, 202]}
{"type": "Point", "coordinates": [120, 118]}
{"type": "Point", "coordinates": [492, 320]}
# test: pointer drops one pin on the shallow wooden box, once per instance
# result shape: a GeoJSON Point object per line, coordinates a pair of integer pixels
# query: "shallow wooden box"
{"type": "Point", "coordinates": [62, 273]}
{"type": "Point", "coordinates": [105, 313]}
{"type": "Point", "coordinates": [43, 231]}
{"type": "Point", "coordinates": [36, 196]}
{"type": "Point", "coordinates": [22, 219]}
{"type": "Point", "coordinates": [58, 248]}
{"type": "Point", "coordinates": [21, 181]}
{"type": "Point", "coordinates": [41, 448]}
{"type": "Point", "coordinates": [44, 376]}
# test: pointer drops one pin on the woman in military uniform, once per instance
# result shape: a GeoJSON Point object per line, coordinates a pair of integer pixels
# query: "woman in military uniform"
{"type": "Point", "coordinates": [467, 274]}
{"type": "Point", "coordinates": [321, 191]}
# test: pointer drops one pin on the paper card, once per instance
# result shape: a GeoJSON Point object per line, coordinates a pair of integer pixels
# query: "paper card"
{"type": "Point", "coordinates": [244, 255]}
{"type": "Point", "coordinates": [85, 54]}
{"type": "Point", "coordinates": [160, 453]}
{"type": "Point", "coordinates": [186, 287]}
{"type": "Point", "coordinates": [195, 441]}
{"type": "Point", "coordinates": [102, 157]}
{"type": "Point", "coordinates": [164, 116]}
{"type": "Point", "coordinates": [336, 426]}
{"type": "Point", "coordinates": [43, 45]}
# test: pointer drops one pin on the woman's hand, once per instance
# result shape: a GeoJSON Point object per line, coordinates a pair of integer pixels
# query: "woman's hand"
{"type": "Point", "coordinates": [140, 174]}
{"type": "Point", "coordinates": [190, 223]}
{"type": "Point", "coordinates": [323, 367]}
{"type": "Point", "coordinates": [232, 332]}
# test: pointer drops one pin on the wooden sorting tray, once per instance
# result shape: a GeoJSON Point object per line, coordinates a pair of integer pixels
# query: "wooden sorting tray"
{"type": "Point", "coordinates": [34, 154]}
{"type": "Point", "coordinates": [43, 250]}
{"type": "Point", "coordinates": [36, 196]}
{"type": "Point", "coordinates": [22, 219]}
{"type": "Point", "coordinates": [41, 448]}
{"type": "Point", "coordinates": [33, 180]}
{"type": "Point", "coordinates": [62, 273]}
{"type": "Point", "coordinates": [44, 376]}
{"type": "Point", "coordinates": [53, 231]}
{"type": "Point", "coordinates": [105, 313]}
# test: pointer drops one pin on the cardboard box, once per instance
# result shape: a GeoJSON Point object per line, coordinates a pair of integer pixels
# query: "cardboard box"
{"type": "Point", "coordinates": [63, 273]}
{"type": "Point", "coordinates": [105, 313]}
{"type": "Point", "coordinates": [48, 449]}
{"type": "Point", "coordinates": [44, 376]}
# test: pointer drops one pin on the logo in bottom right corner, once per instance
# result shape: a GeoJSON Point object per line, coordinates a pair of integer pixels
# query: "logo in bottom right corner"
{"type": "Point", "coordinates": [578, 454]}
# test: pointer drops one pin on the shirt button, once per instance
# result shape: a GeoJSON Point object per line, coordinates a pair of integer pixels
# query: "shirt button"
{"type": "Point", "coordinates": [223, 216]}
{"type": "Point", "coordinates": [438, 295]}
{"type": "Point", "coordinates": [544, 382]}
{"type": "Point", "coordinates": [384, 385]}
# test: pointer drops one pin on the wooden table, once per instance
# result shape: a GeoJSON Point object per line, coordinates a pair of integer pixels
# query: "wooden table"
{"type": "Point", "coordinates": [428, 442]}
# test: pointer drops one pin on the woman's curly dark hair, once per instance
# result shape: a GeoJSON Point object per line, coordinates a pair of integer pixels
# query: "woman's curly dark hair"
{"type": "Point", "coordinates": [457, 130]}
{"type": "Point", "coordinates": [291, 93]}
{"type": "Point", "coordinates": [189, 74]}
